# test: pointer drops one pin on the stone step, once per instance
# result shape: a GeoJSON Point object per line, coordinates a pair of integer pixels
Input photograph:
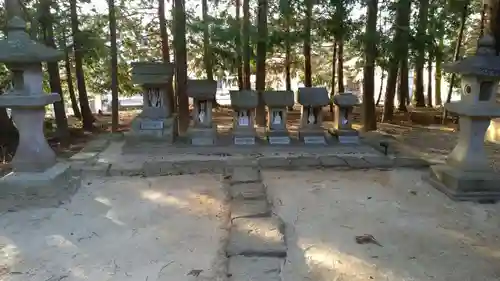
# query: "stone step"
{"type": "Point", "coordinates": [252, 190]}
{"type": "Point", "coordinates": [256, 237]}
{"type": "Point", "coordinates": [250, 208]}
{"type": "Point", "coordinates": [243, 268]}
{"type": "Point", "coordinates": [244, 174]}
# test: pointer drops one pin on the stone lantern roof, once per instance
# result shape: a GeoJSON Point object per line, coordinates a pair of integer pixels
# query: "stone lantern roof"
{"type": "Point", "coordinates": [485, 63]}
{"type": "Point", "coordinates": [18, 48]}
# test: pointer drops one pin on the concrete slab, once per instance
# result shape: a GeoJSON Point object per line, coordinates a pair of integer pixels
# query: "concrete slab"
{"type": "Point", "coordinates": [254, 268]}
{"type": "Point", "coordinates": [424, 234]}
{"type": "Point", "coordinates": [121, 228]}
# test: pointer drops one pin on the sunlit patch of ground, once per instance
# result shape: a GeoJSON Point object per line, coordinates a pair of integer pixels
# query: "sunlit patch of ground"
{"type": "Point", "coordinates": [424, 235]}
{"type": "Point", "coordinates": [120, 228]}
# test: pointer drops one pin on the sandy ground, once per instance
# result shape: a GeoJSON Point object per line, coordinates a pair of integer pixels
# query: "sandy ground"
{"type": "Point", "coordinates": [120, 229]}
{"type": "Point", "coordinates": [424, 235]}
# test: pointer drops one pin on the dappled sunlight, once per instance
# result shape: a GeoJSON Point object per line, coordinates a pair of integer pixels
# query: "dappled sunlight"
{"type": "Point", "coordinates": [103, 200]}
{"type": "Point", "coordinates": [9, 253]}
{"type": "Point", "coordinates": [475, 244]}
{"type": "Point", "coordinates": [59, 241]}
{"type": "Point", "coordinates": [320, 257]}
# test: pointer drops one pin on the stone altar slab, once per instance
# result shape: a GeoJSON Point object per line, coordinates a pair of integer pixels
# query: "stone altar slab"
{"type": "Point", "coordinates": [278, 137]}
{"type": "Point", "coordinates": [202, 136]}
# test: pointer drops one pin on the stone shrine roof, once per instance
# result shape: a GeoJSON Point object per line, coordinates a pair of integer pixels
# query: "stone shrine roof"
{"type": "Point", "coordinates": [245, 99]}
{"type": "Point", "coordinates": [484, 63]}
{"type": "Point", "coordinates": [202, 89]}
{"type": "Point", "coordinates": [278, 98]}
{"type": "Point", "coordinates": [345, 99]}
{"type": "Point", "coordinates": [313, 96]}
{"type": "Point", "coordinates": [18, 48]}
{"type": "Point", "coordinates": [152, 73]}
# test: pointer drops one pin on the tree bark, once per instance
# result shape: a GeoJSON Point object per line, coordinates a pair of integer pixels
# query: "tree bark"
{"type": "Point", "coordinates": [403, 85]}
{"type": "Point", "coordinates": [239, 65]}
{"type": "Point", "coordinates": [69, 78]}
{"type": "Point", "coordinates": [439, 73]}
{"type": "Point", "coordinates": [54, 76]}
{"type": "Point", "coordinates": [420, 58]}
{"type": "Point", "coordinates": [369, 119]}
{"type": "Point", "coordinates": [207, 56]}
{"type": "Point", "coordinates": [380, 90]}
{"type": "Point", "coordinates": [246, 44]}
{"type": "Point", "coordinates": [307, 45]}
{"type": "Point", "coordinates": [340, 65]}
{"type": "Point", "coordinates": [114, 67]}
{"type": "Point", "coordinates": [165, 52]}
{"type": "Point", "coordinates": [429, 80]}
{"type": "Point", "coordinates": [87, 116]}
{"type": "Point", "coordinates": [181, 64]}
{"type": "Point", "coordinates": [260, 84]}
{"type": "Point", "coordinates": [334, 60]}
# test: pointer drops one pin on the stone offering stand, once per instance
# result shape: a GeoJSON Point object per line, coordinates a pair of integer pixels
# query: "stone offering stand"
{"type": "Point", "coordinates": [202, 130]}
{"type": "Point", "coordinates": [244, 104]}
{"type": "Point", "coordinates": [311, 116]}
{"type": "Point", "coordinates": [156, 121]}
{"type": "Point", "coordinates": [277, 103]}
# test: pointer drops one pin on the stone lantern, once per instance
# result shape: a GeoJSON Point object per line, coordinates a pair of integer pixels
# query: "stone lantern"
{"type": "Point", "coordinates": [467, 175]}
{"type": "Point", "coordinates": [277, 103]}
{"type": "Point", "coordinates": [156, 121]}
{"type": "Point", "coordinates": [27, 100]}
{"type": "Point", "coordinates": [344, 104]}
{"type": "Point", "coordinates": [202, 130]}
{"type": "Point", "coordinates": [244, 104]}
{"type": "Point", "coordinates": [311, 117]}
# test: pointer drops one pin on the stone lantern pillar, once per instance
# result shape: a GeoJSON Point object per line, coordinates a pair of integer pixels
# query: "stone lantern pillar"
{"type": "Point", "coordinates": [344, 104]}
{"type": "Point", "coordinates": [311, 118]}
{"type": "Point", "coordinates": [202, 130]}
{"type": "Point", "coordinates": [277, 103]}
{"type": "Point", "coordinates": [156, 121]}
{"type": "Point", "coordinates": [27, 100]}
{"type": "Point", "coordinates": [467, 174]}
{"type": "Point", "coordinates": [244, 104]}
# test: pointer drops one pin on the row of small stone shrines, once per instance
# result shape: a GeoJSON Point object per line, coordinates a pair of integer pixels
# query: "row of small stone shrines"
{"type": "Point", "coordinates": [157, 122]}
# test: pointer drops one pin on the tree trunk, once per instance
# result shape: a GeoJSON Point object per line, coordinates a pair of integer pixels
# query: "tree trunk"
{"type": "Point", "coordinates": [456, 54]}
{"type": "Point", "coordinates": [239, 66]}
{"type": "Point", "coordinates": [115, 121]}
{"type": "Point", "coordinates": [340, 65]}
{"type": "Point", "coordinates": [181, 64]}
{"type": "Point", "coordinates": [307, 45]}
{"type": "Point", "coordinates": [368, 114]}
{"type": "Point", "coordinates": [260, 84]}
{"type": "Point", "coordinates": [403, 85]}
{"type": "Point", "coordinates": [246, 44]}
{"type": "Point", "coordinates": [87, 117]}
{"type": "Point", "coordinates": [69, 79]}
{"type": "Point", "coordinates": [429, 80]}
{"type": "Point", "coordinates": [334, 60]}
{"type": "Point", "coordinates": [403, 59]}
{"type": "Point", "coordinates": [207, 53]}
{"type": "Point", "coordinates": [165, 52]}
{"type": "Point", "coordinates": [390, 92]}
{"type": "Point", "coordinates": [439, 73]}
{"type": "Point", "coordinates": [381, 87]}
{"type": "Point", "coordinates": [54, 76]}
{"type": "Point", "coordinates": [420, 58]}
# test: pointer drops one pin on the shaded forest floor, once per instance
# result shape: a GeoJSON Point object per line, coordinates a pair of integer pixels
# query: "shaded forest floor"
{"type": "Point", "coordinates": [419, 131]}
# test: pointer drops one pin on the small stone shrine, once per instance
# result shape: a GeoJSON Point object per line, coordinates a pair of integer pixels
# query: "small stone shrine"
{"type": "Point", "coordinates": [467, 175]}
{"type": "Point", "coordinates": [156, 121]}
{"type": "Point", "coordinates": [344, 104]}
{"type": "Point", "coordinates": [277, 103]}
{"type": "Point", "coordinates": [35, 171]}
{"type": "Point", "coordinates": [244, 104]}
{"type": "Point", "coordinates": [311, 117]}
{"type": "Point", "coordinates": [202, 131]}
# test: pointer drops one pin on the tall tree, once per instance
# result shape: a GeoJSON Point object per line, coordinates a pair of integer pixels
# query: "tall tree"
{"type": "Point", "coordinates": [239, 66]}
{"type": "Point", "coordinates": [54, 76]}
{"type": "Point", "coordinates": [368, 106]}
{"type": "Point", "coordinates": [165, 52]}
{"type": "Point", "coordinates": [69, 76]}
{"type": "Point", "coordinates": [246, 44]}
{"type": "Point", "coordinates": [207, 53]}
{"type": "Point", "coordinates": [260, 84]}
{"type": "Point", "coordinates": [181, 64]}
{"type": "Point", "coordinates": [307, 44]}
{"type": "Point", "coordinates": [420, 58]}
{"type": "Point", "coordinates": [87, 117]}
{"type": "Point", "coordinates": [114, 67]}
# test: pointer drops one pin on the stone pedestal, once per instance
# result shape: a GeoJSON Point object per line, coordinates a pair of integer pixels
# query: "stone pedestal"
{"type": "Point", "coordinates": [244, 104]}
{"type": "Point", "coordinates": [467, 174]}
{"type": "Point", "coordinates": [311, 118]}
{"type": "Point", "coordinates": [278, 103]}
{"type": "Point", "coordinates": [34, 158]}
{"type": "Point", "coordinates": [156, 122]}
{"type": "Point", "coordinates": [202, 130]}
{"type": "Point", "coordinates": [344, 103]}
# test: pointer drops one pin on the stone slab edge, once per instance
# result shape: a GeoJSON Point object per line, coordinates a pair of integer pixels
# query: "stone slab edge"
{"type": "Point", "coordinates": [84, 161]}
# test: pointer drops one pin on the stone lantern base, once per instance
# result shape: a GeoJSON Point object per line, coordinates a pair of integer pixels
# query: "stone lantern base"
{"type": "Point", "coordinates": [465, 186]}
{"type": "Point", "coordinates": [45, 189]}
{"type": "Point", "coordinates": [202, 136]}
{"type": "Point", "coordinates": [312, 135]}
{"type": "Point", "coordinates": [346, 136]}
